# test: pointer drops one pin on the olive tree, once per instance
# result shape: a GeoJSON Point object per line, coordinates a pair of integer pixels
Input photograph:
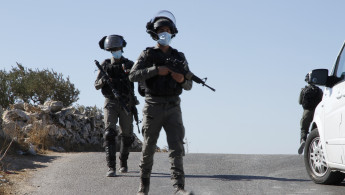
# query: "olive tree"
{"type": "Point", "coordinates": [35, 86]}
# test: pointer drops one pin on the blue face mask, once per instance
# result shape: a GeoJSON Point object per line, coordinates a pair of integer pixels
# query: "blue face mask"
{"type": "Point", "coordinates": [117, 54]}
{"type": "Point", "coordinates": [164, 38]}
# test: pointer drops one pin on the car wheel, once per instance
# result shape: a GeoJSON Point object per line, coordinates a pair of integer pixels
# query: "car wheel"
{"type": "Point", "coordinates": [315, 162]}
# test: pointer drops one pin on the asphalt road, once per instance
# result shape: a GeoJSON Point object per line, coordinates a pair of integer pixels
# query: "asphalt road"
{"type": "Point", "coordinates": [84, 173]}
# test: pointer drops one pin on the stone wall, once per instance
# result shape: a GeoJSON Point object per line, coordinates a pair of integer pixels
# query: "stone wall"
{"type": "Point", "coordinates": [56, 127]}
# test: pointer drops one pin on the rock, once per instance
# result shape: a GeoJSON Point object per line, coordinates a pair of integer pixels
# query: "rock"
{"type": "Point", "coordinates": [56, 126]}
{"type": "Point", "coordinates": [27, 129]}
{"type": "Point", "coordinates": [52, 130]}
{"type": "Point", "coordinates": [32, 149]}
{"type": "Point", "coordinates": [51, 106]}
{"type": "Point", "coordinates": [4, 180]}
{"type": "Point", "coordinates": [68, 124]}
{"type": "Point", "coordinates": [30, 108]}
{"type": "Point", "coordinates": [57, 149]}
{"type": "Point", "coordinates": [19, 106]}
{"type": "Point", "coordinates": [55, 106]}
{"type": "Point", "coordinates": [61, 133]}
{"type": "Point", "coordinates": [20, 152]}
{"type": "Point", "coordinates": [15, 115]}
{"type": "Point", "coordinates": [1, 111]}
{"type": "Point", "coordinates": [11, 129]}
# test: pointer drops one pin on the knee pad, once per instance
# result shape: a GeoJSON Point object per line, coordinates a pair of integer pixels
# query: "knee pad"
{"type": "Point", "coordinates": [127, 141]}
{"type": "Point", "coordinates": [110, 135]}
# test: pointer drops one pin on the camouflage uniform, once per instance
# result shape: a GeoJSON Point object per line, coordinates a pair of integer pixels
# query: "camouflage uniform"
{"type": "Point", "coordinates": [113, 111]}
{"type": "Point", "coordinates": [309, 101]}
{"type": "Point", "coordinates": [162, 109]}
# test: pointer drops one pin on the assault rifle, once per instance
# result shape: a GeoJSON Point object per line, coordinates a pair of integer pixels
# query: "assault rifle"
{"type": "Point", "coordinates": [136, 118]}
{"type": "Point", "coordinates": [115, 93]}
{"type": "Point", "coordinates": [117, 96]}
{"type": "Point", "coordinates": [178, 67]}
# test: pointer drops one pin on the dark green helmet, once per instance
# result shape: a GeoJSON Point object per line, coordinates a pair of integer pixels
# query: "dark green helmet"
{"type": "Point", "coordinates": [307, 78]}
{"type": "Point", "coordinates": [112, 41]}
{"type": "Point", "coordinates": [162, 18]}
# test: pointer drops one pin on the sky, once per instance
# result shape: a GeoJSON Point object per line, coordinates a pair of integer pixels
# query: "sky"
{"type": "Point", "coordinates": [254, 53]}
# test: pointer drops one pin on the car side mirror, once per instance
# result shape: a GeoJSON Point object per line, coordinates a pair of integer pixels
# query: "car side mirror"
{"type": "Point", "coordinates": [319, 77]}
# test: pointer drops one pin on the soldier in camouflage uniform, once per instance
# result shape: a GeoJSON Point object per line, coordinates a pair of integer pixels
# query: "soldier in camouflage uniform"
{"type": "Point", "coordinates": [117, 68]}
{"type": "Point", "coordinates": [162, 108]}
{"type": "Point", "coordinates": [309, 98]}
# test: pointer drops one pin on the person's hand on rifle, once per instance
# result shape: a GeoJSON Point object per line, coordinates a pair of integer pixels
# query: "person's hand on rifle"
{"type": "Point", "coordinates": [177, 77]}
{"type": "Point", "coordinates": [163, 70]}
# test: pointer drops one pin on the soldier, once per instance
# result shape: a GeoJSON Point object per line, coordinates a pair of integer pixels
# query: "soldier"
{"type": "Point", "coordinates": [309, 98]}
{"type": "Point", "coordinates": [162, 102]}
{"type": "Point", "coordinates": [117, 67]}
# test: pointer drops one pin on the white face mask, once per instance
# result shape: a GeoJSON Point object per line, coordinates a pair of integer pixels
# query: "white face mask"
{"type": "Point", "coordinates": [117, 54]}
{"type": "Point", "coordinates": [164, 38]}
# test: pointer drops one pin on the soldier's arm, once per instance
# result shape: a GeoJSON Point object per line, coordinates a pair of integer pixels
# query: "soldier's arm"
{"type": "Point", "coordinates": [187, 84]}
{"type": "Point", "coordinates": [300, 97]}
{"type": "Point", "coordinates": [100, 82]}
{"type": "Point", "coordinates": [141, 70]}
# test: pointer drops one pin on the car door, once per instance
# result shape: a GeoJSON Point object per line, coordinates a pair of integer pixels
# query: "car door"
{"type": "Point", "coordinates": [334, 108]}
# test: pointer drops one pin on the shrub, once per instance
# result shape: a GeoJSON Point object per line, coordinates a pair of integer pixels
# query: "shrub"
{"type": "Point", "coordinates": [6, 98]}
{"type": "Point", "coordinates": [89, 110]}
{"type": "Point", "coordinates": [35, 86]}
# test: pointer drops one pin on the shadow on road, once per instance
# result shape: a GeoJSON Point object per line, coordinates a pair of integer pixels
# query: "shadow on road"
{"type": "Point", "coordinates": [233, 177]}
{"type": "Point", "coordinates": [243, 178]}
{"type": "Point", "coordinates": [21, 162]}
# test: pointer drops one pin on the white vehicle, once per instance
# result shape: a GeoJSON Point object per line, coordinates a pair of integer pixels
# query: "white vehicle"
{"type": "Point", "coordinates": [324, 152]}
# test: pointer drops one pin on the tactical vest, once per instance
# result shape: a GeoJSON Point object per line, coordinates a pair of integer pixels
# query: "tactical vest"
{"type": "Point", "coordinates": [311, 97]}
{"type": "Point", "coordinates": [161, 85]}
{"type": "Point", "coordinates": [119, 78]}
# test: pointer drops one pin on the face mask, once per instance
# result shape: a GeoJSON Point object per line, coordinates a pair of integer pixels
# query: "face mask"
{"type": "Point", "coordinates": [164, 38]}
{"type": "Point", "coordinates": [117, 54]}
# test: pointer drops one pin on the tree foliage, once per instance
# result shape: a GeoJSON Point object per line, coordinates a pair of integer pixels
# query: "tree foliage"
{"type": "Point", "coordinates": [35, 87]}
{"type": "Point", "coordinates": [5, 96]}
{"type": "Point", "coordinates": [89, 110]}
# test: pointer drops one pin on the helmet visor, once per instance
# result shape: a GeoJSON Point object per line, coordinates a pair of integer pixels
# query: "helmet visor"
{"type": "Point", "coordinates": [113, 41]}
{"type": "Point", "coordinates": [164, 14]}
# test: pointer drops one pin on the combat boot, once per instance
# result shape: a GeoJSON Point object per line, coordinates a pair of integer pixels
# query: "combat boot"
{"type": "Point", "coordinates": [111, 172]}
{"type": "Point", "coordinates": [181, 191]}
{"type": "Point", "coordinates": [123, 167]}
{"type": "Point", "coordinates": [124, 153]}
{"type": "Point", "coordinates": [144, 186]}
{"type": "Point", "coordinates": [301, 147]}
{"type": "Point", "coordinates": [110, 157]}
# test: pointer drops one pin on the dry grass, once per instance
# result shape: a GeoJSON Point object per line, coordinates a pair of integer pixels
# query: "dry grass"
{"type": "Point", "coordinates": [39, 136]}
{"type": "Point", "coordinates": [164, 149]}
{"type": "Point", "coordinates": [4, 148]}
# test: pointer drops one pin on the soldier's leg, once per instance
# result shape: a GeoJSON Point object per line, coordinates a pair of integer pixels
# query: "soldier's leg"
{"type": "Point", "coordinates": [110, 120]}
{"type": "Point", "coordinates": [175, 131]}
{"type": "Point", "coordinates": [152, 124]}
{"type": "Point", "coordinates": [307, 118]}
{"type": "Point", "coordinates": [126, 136]}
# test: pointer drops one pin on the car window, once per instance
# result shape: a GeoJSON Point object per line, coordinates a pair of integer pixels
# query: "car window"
{"type": "Point", "coordinates": [341, 66]}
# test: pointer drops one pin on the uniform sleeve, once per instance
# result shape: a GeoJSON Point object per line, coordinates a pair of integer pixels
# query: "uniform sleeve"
{"type": "Point", "coordinates": [187, 84]}
{"type": "Point", "coordinates": [141, 70]}
{"type": "Point", "coordinates": [300, 96]}
{"type": "Point", "coordinates": [129, 65]}
{"type": "Point", "coordinates": [99, 83]}
{"type": "Point", "coordinates": [320, 95]}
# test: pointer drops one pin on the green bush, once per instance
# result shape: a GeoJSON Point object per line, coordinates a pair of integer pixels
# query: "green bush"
{"type": "Point", "coordinates": [6, 98]}
{"type": "Point", "coordinates": [35, 87]}
{"type": "Point", "coordinates": [89, 110]}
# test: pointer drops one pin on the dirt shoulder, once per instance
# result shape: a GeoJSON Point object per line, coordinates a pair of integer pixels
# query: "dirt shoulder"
{"type": "Point", "coordinates": [18, 169]}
